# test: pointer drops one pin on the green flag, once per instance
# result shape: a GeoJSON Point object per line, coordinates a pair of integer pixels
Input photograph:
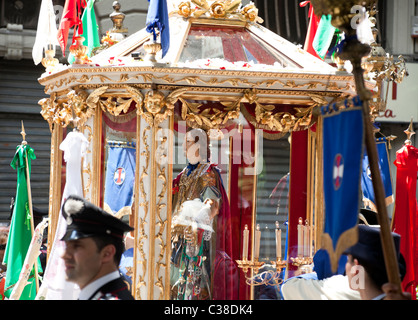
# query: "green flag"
{"type": "Point", "coordinates": [323, 36]}
{"type": "Point", "coordinates": [90, 30]}
{"type": "Point", "coordinates": [20, 234]}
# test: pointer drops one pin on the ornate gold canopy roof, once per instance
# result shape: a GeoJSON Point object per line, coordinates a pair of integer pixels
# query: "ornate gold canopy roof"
{"type": "Point", "coordinates": [218, 51]}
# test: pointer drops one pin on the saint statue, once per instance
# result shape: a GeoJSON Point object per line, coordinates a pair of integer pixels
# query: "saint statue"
{"type": "Point", "coordinates": [198, 253]}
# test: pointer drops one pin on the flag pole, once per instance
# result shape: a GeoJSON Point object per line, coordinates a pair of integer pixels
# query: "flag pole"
{"type": "Point", "coordinates": [353, 50]}
{"type": "Point", "coordinates": [32, 228]}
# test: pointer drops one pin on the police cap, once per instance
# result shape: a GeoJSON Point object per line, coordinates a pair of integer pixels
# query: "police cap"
{"type": "Point", "coordinates": [84, 220]}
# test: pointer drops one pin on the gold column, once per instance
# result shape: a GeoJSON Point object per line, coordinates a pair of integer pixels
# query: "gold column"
{"type": "Point", "coordinates": [153, 207]}
{"type": "Point", "coordinates": [136, 202]}
{"type": "Point", "coordinates": [142, 217]}
{"type": "Point", "coordinates": [319, 188]}
{"type": "Point", "coordinates": [169, 206]}
{"type": "Point", "coordinates": [54, 182]}
{"type": "Point", "coordinates": [254, 208]}
{"type": "Point", "coordinates": [310, 187]}
{"type": "Point", "coordinates": [97, 157]}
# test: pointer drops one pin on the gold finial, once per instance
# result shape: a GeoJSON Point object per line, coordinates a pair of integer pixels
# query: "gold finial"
{"type": "Point", "coordinates": [389, 139]}
{"type": "Point", "coordinates": [409, 132]}
{"type": "Point", "coordinates": [23, 134]}
{"type": "Point", "coordinates": [117, 18]}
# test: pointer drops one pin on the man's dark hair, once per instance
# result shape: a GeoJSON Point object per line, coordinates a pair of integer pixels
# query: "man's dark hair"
{"type": "Point", "coordinates": [377, 272]}
{"type": "Point", "coordinates": [103, 241]}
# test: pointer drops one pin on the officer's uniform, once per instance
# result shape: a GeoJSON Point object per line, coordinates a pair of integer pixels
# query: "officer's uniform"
{"type": "Point", "coordinates": [87, 220]}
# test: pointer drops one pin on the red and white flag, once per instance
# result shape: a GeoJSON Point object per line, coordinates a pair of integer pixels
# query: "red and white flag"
{"type": "Point", "coordinates": [71, 17]}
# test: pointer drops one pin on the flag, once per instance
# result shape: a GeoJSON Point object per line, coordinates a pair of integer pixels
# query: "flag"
{"type": "Point", "coordinates": [46, 33]}
{"type": "Point", "coordinates": [366, 178]}
{"type": "Point", "coordinates": [342, 153]}
{"type": "Point", "coordinates": [120, 177]}
{"type": "Point", "coordinates": [323, 36]}
{"type": "Point", "coordinates": [312, 28]}
{"type": "Point", "coordinates": [31, 256]}
{"type": "Point", "coordinates": [55, 286]}
{"type": "Point", "coordinates": [157, 18]}
{"type": "Point", "coordinates": [405, 221]}
{"type": "Point", "coordinates": [20, 234]}
{"type": "Point", "coordinates": [70, 18]}
{"type": "Point", "coordinates": [90, 30]}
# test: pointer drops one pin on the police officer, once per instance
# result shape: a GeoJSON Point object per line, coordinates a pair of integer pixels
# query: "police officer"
{"type": "Point", "coordinates": [94, 245]}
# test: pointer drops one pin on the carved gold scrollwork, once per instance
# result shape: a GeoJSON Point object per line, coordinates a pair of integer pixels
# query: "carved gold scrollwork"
{"type": "Point", "coordinates": [49, 106]}
{"type": "Point", "coordinates": [282, 121]}
{"type": "Point", "coordinates": [81, 104]}
{"type": "Point", "coordinates": [219, 10]}
{"type": "Point", "coordinates": [210, 118]}
{"type": "Point", "coordinates": [114, 104]}
{"type": "Point", "coordinates": [142, 221]}
{"type": "Point", "coordinates": [161, 224]}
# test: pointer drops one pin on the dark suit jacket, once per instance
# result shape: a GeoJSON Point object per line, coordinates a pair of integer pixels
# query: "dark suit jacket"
{"type": "Point", "coordinates": [114, 290]}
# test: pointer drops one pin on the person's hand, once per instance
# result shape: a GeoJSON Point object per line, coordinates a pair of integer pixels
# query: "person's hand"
{"type": "Point", "coordinates": [394, 292]}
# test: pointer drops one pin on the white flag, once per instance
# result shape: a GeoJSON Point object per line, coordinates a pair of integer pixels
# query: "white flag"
{"type": "Point", "coordinates": [31, 256]}
{"type": "Point", "coordinates": [54, 286]}
{"type": "Point", "coordinates": [47, 30]}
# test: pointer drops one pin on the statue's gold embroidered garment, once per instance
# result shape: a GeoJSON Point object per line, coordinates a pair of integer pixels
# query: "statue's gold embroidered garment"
{"type": "Point", "coordinates": [192, 258]}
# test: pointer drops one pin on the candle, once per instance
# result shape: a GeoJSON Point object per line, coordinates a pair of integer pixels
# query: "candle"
{"type": "Point", "coordinates": [278, 242]}
{"type": "Point", "coordinates": [300, 238]}
{"type": "Point", "coordinates": [246, 236]}
{"type": "Point", "coordinates": [257, 242]}
{"type": "Point", "coordinates": [306, 239]}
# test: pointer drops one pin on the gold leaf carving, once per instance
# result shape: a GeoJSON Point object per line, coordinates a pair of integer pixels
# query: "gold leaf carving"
{"type": "Point", "coordinates": [281, 121]}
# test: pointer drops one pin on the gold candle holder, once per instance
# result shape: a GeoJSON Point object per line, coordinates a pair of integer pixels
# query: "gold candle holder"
{"type": "Point", "coordinates": [279, 264]}
{"type": "Point", "coordinates": [245, 265]}
{"type": "Point", "coordinates": [301, 261]}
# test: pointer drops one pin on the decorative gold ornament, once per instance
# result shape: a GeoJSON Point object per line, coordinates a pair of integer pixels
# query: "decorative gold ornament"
{"type": "Point", "coordinates": [409, 132]}
{"type": "Point", "coordinates": [157, 107]}
{"type": "Point", "coordinates": [49, 106]}
{"type": "Point", "coordinates": [184, 9]}
{"type": "Point", "coordinates": [210, 118]}
{"type": "Point", "coordinates": [49, 62]}
{"type": "Point", "coordinates": [217, 9]}
{"type": "Point", "coordinates": [250, 12]}
{"type": "Point", "coordinates": [282, 121]}
{"type": "Point", "coordinates": [151, 47]}
{"type": "Point", "coordinates": [79, 51]}
{"type": "Point", "coordinates": [270, 277]}
{"type": "Point", "coordinates": [226, 9]}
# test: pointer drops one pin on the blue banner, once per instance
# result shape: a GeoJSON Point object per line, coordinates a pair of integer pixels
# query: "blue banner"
{"type": "Point", "coordinates": [366, 179]}
{"type": "Point", "coordinates": [342, 154]}
{"type": "Point", "coordinates": [157, 18]}
{"type": "Point", "coordinates": [120, 177]}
